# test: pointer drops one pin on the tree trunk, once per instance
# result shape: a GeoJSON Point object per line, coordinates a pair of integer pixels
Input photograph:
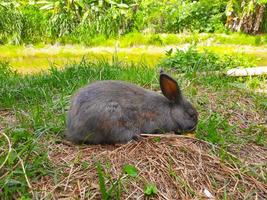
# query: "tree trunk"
{"type": "Point", "coordinates": [250, 22]}
{"type": "Point", "coordinates": [259, 19]}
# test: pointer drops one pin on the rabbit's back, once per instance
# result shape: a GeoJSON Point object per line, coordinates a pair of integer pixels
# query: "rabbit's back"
{"type": "Point", "coordinates": [103, 91]}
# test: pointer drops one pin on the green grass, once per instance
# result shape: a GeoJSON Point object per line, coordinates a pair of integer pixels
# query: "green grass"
{"type": "Point", "coordinates": [35, 59]}
{"type": "Point", "coordinates": [38, 58]}
{"type": "Point", "coordinates": [113, 191]}
{"type": "Point", "coordinates": [133, 47]}
{"type": "Point", "coordinates": [241, 39]}
{"type": "Point", "coordinates": [193, 60]}
{"type": "Point", "coordinates": [136, 38]}
{"type": "Point", "coordinates": [162, 39]}
{"type": "Point", "coordinates": [39, 103]}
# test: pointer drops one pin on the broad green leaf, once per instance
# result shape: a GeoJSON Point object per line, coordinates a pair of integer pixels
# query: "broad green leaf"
{"type": "Point", "coordinates": [130, 170]}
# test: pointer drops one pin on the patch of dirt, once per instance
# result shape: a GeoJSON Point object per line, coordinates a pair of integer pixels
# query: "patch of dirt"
{"type": "Point", "coordinates": [241, 112]}
{"type": "Point", "coordinates": [251, 154]}
{"type": "Point", "coordinates": [245, 113]}
{"type": "Point", "coordinates": [7, 118]}
{"type": "Point", "coordinates": [180, 167]}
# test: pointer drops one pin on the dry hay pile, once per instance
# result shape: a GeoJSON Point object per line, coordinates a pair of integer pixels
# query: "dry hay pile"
{"type": "Point", "coordinates": [180, 167]}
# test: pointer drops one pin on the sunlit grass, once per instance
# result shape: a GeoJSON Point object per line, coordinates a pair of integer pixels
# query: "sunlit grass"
{"type": "Point", "coordinates": [36, 59]}
{"type": "Point", "coordinates": [32, 60]}
{"type": "Point", "coordinates": [136, 38]}
{"type": "Point", "coordinates": [133, 47]}
{"type": "Point", "coordinates": [39, 102]}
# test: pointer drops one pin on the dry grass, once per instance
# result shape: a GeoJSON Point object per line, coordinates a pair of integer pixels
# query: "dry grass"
{"type": "Point", "coordinates": [180, 167]}
{"type": "Point", "coordinates": [251, 154]}
{"type": "Point", "coordinates": [7, 118]}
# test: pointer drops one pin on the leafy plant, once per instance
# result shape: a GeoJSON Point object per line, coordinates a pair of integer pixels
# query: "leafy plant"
{"type": "Point", "coordinates": [150, 189]}
{"type": "Point", "coordinates": [96, 17]}
{"type": "Point", "coordinates": [114, 190]}
{"type": "Point", "coordinates": [101, 180]}
{"type": "Point", "coordinates": [180, 16]}
{"type": "Point", "coordinates": [130, 170]}
{"type": "Point", "coordinates": [192, 60]}
{"type": "Point", "coordinates": [212, 128]}
{"type": "Point", "coordinates": [35, 24]}
{"type": "Point", "coordinates": [11, 24]}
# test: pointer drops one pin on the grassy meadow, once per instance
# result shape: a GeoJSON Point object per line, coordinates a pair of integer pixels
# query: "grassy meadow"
{"type": "Point", "coordinates": [50, 49]}
{"type": "Point", "coordinates": [134, 47]}
{"type": "Point", "coordinates": [34, 105]}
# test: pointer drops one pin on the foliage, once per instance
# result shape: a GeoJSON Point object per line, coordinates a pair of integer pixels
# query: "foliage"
{"type": "Point", "coordinates": [101, 180]}
{"type": "Point", "coordinates": [11, 23]}
{"type": "Point", "coordinates": [179, 16]}
{"type": "Point", "coordinates": [34, 24]}
{"type": "Point", "coordinates": [23, 21]}
{"type": "Point", "coordinates": [130, 170]}
{"type": "Point", "coordinates": [191, 60]}
{"type": "Point", "coordinates": [114, 190]}
{"type": "Point", "coordinates": [248, 16]}
{"type": "Point", "coordinates": [150, 189]}
{"type": "Point", "coordinates": [80, 21]}
{"type": "Point", "coordinates": [104, 17]}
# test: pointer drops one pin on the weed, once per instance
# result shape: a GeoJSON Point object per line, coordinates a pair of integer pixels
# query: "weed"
{"type": "Point", "coordinates": [114, 191]}
{"type": "Point", "coordinates": [130, 170]}
{"type": "Point", "coordinates": [181, 181]}
{"type": "Point", "coordinates": [150, 189]}
{"type": "Point", "coordinates": [155, 40]}
{"type": "Point", "coordinates": [258, 40]}
{"type": "Point", "coordinates": [191, 60]}
{"type": "Point", "coordinates": [101, 180]}
{"type": "Point", "coordinates": [156, 139]}
{"type": "Point", "coordinates": [211, 128]}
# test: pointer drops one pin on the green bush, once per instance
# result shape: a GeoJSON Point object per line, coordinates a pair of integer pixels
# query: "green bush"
{"type": "Point", "coordinates": [191, 60]}
{"type": "Point", "coordinates": [180, 16]}
{"type": "Point", "coordinates": [62, 24]}
{"type": "Point", "coordinates": [82, 21]}
{"type": "Point", "coordinates": [155, 40]}
{"type": "Point", "coordinates": [34, 25]}
{"type": "Point", "coordinates": [10, 24]}
{"type": "Point", "coordinates": [44, 21]}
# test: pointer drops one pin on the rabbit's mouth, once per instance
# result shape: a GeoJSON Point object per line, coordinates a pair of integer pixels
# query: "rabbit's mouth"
{"type": "Point", "coordinates": [179, 131]}
{"type": "Point", "coordinates": [193, 129]}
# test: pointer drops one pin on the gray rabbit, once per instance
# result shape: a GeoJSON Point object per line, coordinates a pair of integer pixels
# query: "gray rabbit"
{"type": "Point", "coordinates": [117, 112]}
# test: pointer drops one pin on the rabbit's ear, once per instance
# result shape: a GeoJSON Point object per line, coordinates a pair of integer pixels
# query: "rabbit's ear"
{"type": "Point", "coordinates": [169, 87]}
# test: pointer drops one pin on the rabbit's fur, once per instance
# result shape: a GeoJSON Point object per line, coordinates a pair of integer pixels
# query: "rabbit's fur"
{"type": "Point", "coordinates": [117, 112]}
